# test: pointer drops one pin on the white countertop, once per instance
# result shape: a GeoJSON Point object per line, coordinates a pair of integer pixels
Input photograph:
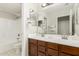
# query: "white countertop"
{"type": "Point", "coordinates": [72, 40]}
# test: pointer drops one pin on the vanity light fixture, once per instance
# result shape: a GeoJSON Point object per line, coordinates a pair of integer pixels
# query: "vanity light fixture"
{"type": "Point", "coordinates": [43, 5]}
{"type": "Point", "coordinates": [46, 4]}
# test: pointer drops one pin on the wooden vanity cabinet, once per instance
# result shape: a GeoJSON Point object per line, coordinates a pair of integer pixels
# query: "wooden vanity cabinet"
{"type": "Point", "coordinates": [42, 48]}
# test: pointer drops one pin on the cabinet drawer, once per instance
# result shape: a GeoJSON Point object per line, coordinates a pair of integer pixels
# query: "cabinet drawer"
{"type": "Point", "coordinates": [33, 41]}
{"type": "Point", "coordinates": [41, 43]}
{"type": "Point", "coordinates": [51, 52]}
{"type": "Point", "coordinates": [41, 48]}
{"type": "Point", "coordinates": [69, 50]}
{"type": "Point", "coordinates": [33, 50]}
{"type": "Point", "coordinates": [52, 46]}
{"type": "Point", "coordinates": [64, 54]}
{"type": "Point", "coordinates": [41, 54]}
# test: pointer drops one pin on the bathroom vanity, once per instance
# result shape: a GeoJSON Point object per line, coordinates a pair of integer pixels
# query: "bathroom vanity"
{"type": "Point", "coordinates": [43, 48]}
{"type": "Point", "coordinates": [50, 47]}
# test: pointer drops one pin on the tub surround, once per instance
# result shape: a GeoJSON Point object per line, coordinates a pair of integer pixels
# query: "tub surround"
{"type": "Point", "coordinates": [70, 41]}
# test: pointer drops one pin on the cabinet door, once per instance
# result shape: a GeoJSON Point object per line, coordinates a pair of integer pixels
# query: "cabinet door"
{"type": "Point", "coordinates": [69, 50]}
{"type": "Point", "coordinates": [32, 50]}
{"type": "Point", "coordinates": [52, 45]}
{"type": "Point", "coordinates": [51, 52]}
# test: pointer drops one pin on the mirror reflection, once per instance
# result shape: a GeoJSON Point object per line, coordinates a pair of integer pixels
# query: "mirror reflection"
{"type": "Point", "coordinates": [60, 19]}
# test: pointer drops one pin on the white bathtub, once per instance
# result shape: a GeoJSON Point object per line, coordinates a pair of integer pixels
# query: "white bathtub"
{"type": "Point", "coordinates": [10, 49]}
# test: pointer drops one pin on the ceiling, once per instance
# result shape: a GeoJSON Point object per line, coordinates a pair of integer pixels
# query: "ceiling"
{"type": "Point", "coordinates": [11, 8]}
{"type": "Point", "coordinates": [57, 7]}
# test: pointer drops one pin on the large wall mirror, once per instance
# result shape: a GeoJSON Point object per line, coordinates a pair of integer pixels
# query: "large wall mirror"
{"type": "Point", "coordinates": [58, 19]}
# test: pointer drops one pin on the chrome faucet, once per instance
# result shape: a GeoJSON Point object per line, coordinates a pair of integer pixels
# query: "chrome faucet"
{"type": "Point", "coordinates": [42, 34]}
{"type": "Point", "coordinates": [64, 37]}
